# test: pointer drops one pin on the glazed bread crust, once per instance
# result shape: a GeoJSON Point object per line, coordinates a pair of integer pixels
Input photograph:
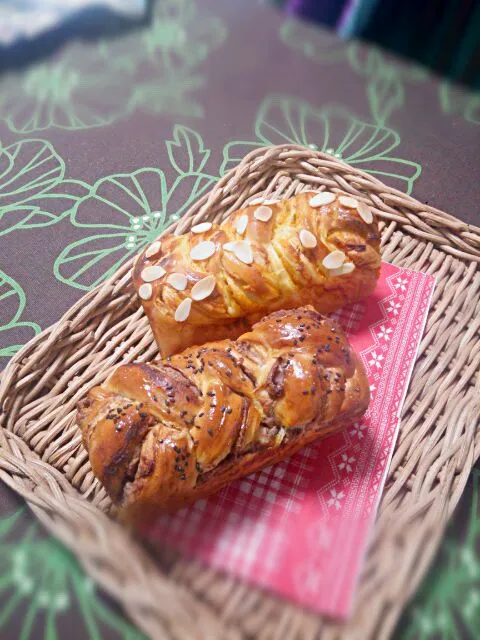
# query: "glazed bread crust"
{"type": "Point", "coordinates": [164, 434]}
{"type": "Point", "coordinates": [262, 259]}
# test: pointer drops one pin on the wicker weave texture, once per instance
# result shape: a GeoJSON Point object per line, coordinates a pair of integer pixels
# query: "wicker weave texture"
{"type": "Point", "coordinates": [41, 456]}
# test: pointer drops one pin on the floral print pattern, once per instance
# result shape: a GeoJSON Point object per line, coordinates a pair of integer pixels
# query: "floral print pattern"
{"type": "Point", "coordinates": [12, 327]}
{"type": "Point", "coordinates": [123, 213]}
{"type": "Point", "coordinates": [454, 100]}
{"type": "Point", "coordinates": [93, 86]}
{"type": "Point", "coordinates": [34, 191]}
{"type": "Point", "coordinates": [40, 578]}
{"type": "Point", "coordinates": [284, 119]}
{"type": "Point", "coordinates": [77, 91]}
{"type": "Point", "coordinates": [385, 80]}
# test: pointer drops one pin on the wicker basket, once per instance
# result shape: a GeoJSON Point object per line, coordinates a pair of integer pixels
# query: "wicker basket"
{"type": "Point", "coordinates": [41, 456]}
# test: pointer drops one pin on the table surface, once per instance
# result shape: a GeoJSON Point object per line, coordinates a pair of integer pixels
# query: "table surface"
{"type": "Point", "coordinates": [105, 141]}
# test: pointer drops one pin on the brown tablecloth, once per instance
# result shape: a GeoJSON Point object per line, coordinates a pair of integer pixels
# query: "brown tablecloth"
{"type": "Point", "coordinates": [104, 141]}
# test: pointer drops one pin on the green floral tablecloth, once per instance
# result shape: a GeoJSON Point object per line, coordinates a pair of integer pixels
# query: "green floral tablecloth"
{"type": "Point", "coordinates": [104, 143]}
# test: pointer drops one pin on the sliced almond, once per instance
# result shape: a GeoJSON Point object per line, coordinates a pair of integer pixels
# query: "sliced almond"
{"type": "Point", "coordinates": [343, 270]}
{"type": "Point", "coordinates": [256, 201]}
{"type": "Point", "coordinates": [241, 224]}
{"type": "Point", "coordinates": [325, 197]}
{"type": "Point", "coordinates": [365, 212]}
{"type": "Point", "coordinates": [203, 288]}
{"type": "Point", "coordinates": [178, 281]}
{"type": "Point", "coordinates": [244, 252]}
{"type": "Point", "coordinates": [271, 201]}
{"type": "Point", "coordinates": [307, 239]}
{"type": "Point", "coordinates": [241, 249]}
{"type": "Point", "coordinates": [183, 310]}
{"type": "Point", "coordinates": [334, 259]}
{"type": "Point", "coordinates": [149, 274]}
{"type": "Point", "coordinates": [202, 227]}
{"type": "Point", "coordinates": [153, 249]}
{"type": "Point", "coordinates": [263, 213]}
{"type": "Point", "coordinates": [203, 250]}
{"type": "Point", "coordinates": [145, 291]}
{"type": "Point", "coordinates": [351, 203]}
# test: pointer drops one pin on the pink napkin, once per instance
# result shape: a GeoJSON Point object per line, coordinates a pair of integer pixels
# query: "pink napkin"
{"type": "Point", "coordinates": [300, 528]}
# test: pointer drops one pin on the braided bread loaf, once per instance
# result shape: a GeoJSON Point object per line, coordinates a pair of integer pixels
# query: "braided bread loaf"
{"type": "Point", "coordinates": [161, 435]}
{"type": "Point", "coordinates": [217, 280]}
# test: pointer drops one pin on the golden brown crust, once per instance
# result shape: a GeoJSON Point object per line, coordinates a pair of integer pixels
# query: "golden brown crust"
{"type": "Point", "coordinates": [284, 274]}
{"type": "Point", "coordinates": [164, 434]}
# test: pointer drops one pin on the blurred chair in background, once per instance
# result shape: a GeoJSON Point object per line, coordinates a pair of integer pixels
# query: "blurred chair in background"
{"type": "Point", "coordinates": [441, 34]}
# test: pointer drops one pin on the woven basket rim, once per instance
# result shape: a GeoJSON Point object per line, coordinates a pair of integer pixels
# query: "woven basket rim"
{"type": "Point", "coordinates": [297, 166]}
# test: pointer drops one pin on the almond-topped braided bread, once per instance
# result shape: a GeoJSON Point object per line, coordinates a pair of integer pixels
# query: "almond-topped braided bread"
{"type": "Point", "coordinates": [217, 280]}
{"type": "Point", "coordinates": [164, 434]}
